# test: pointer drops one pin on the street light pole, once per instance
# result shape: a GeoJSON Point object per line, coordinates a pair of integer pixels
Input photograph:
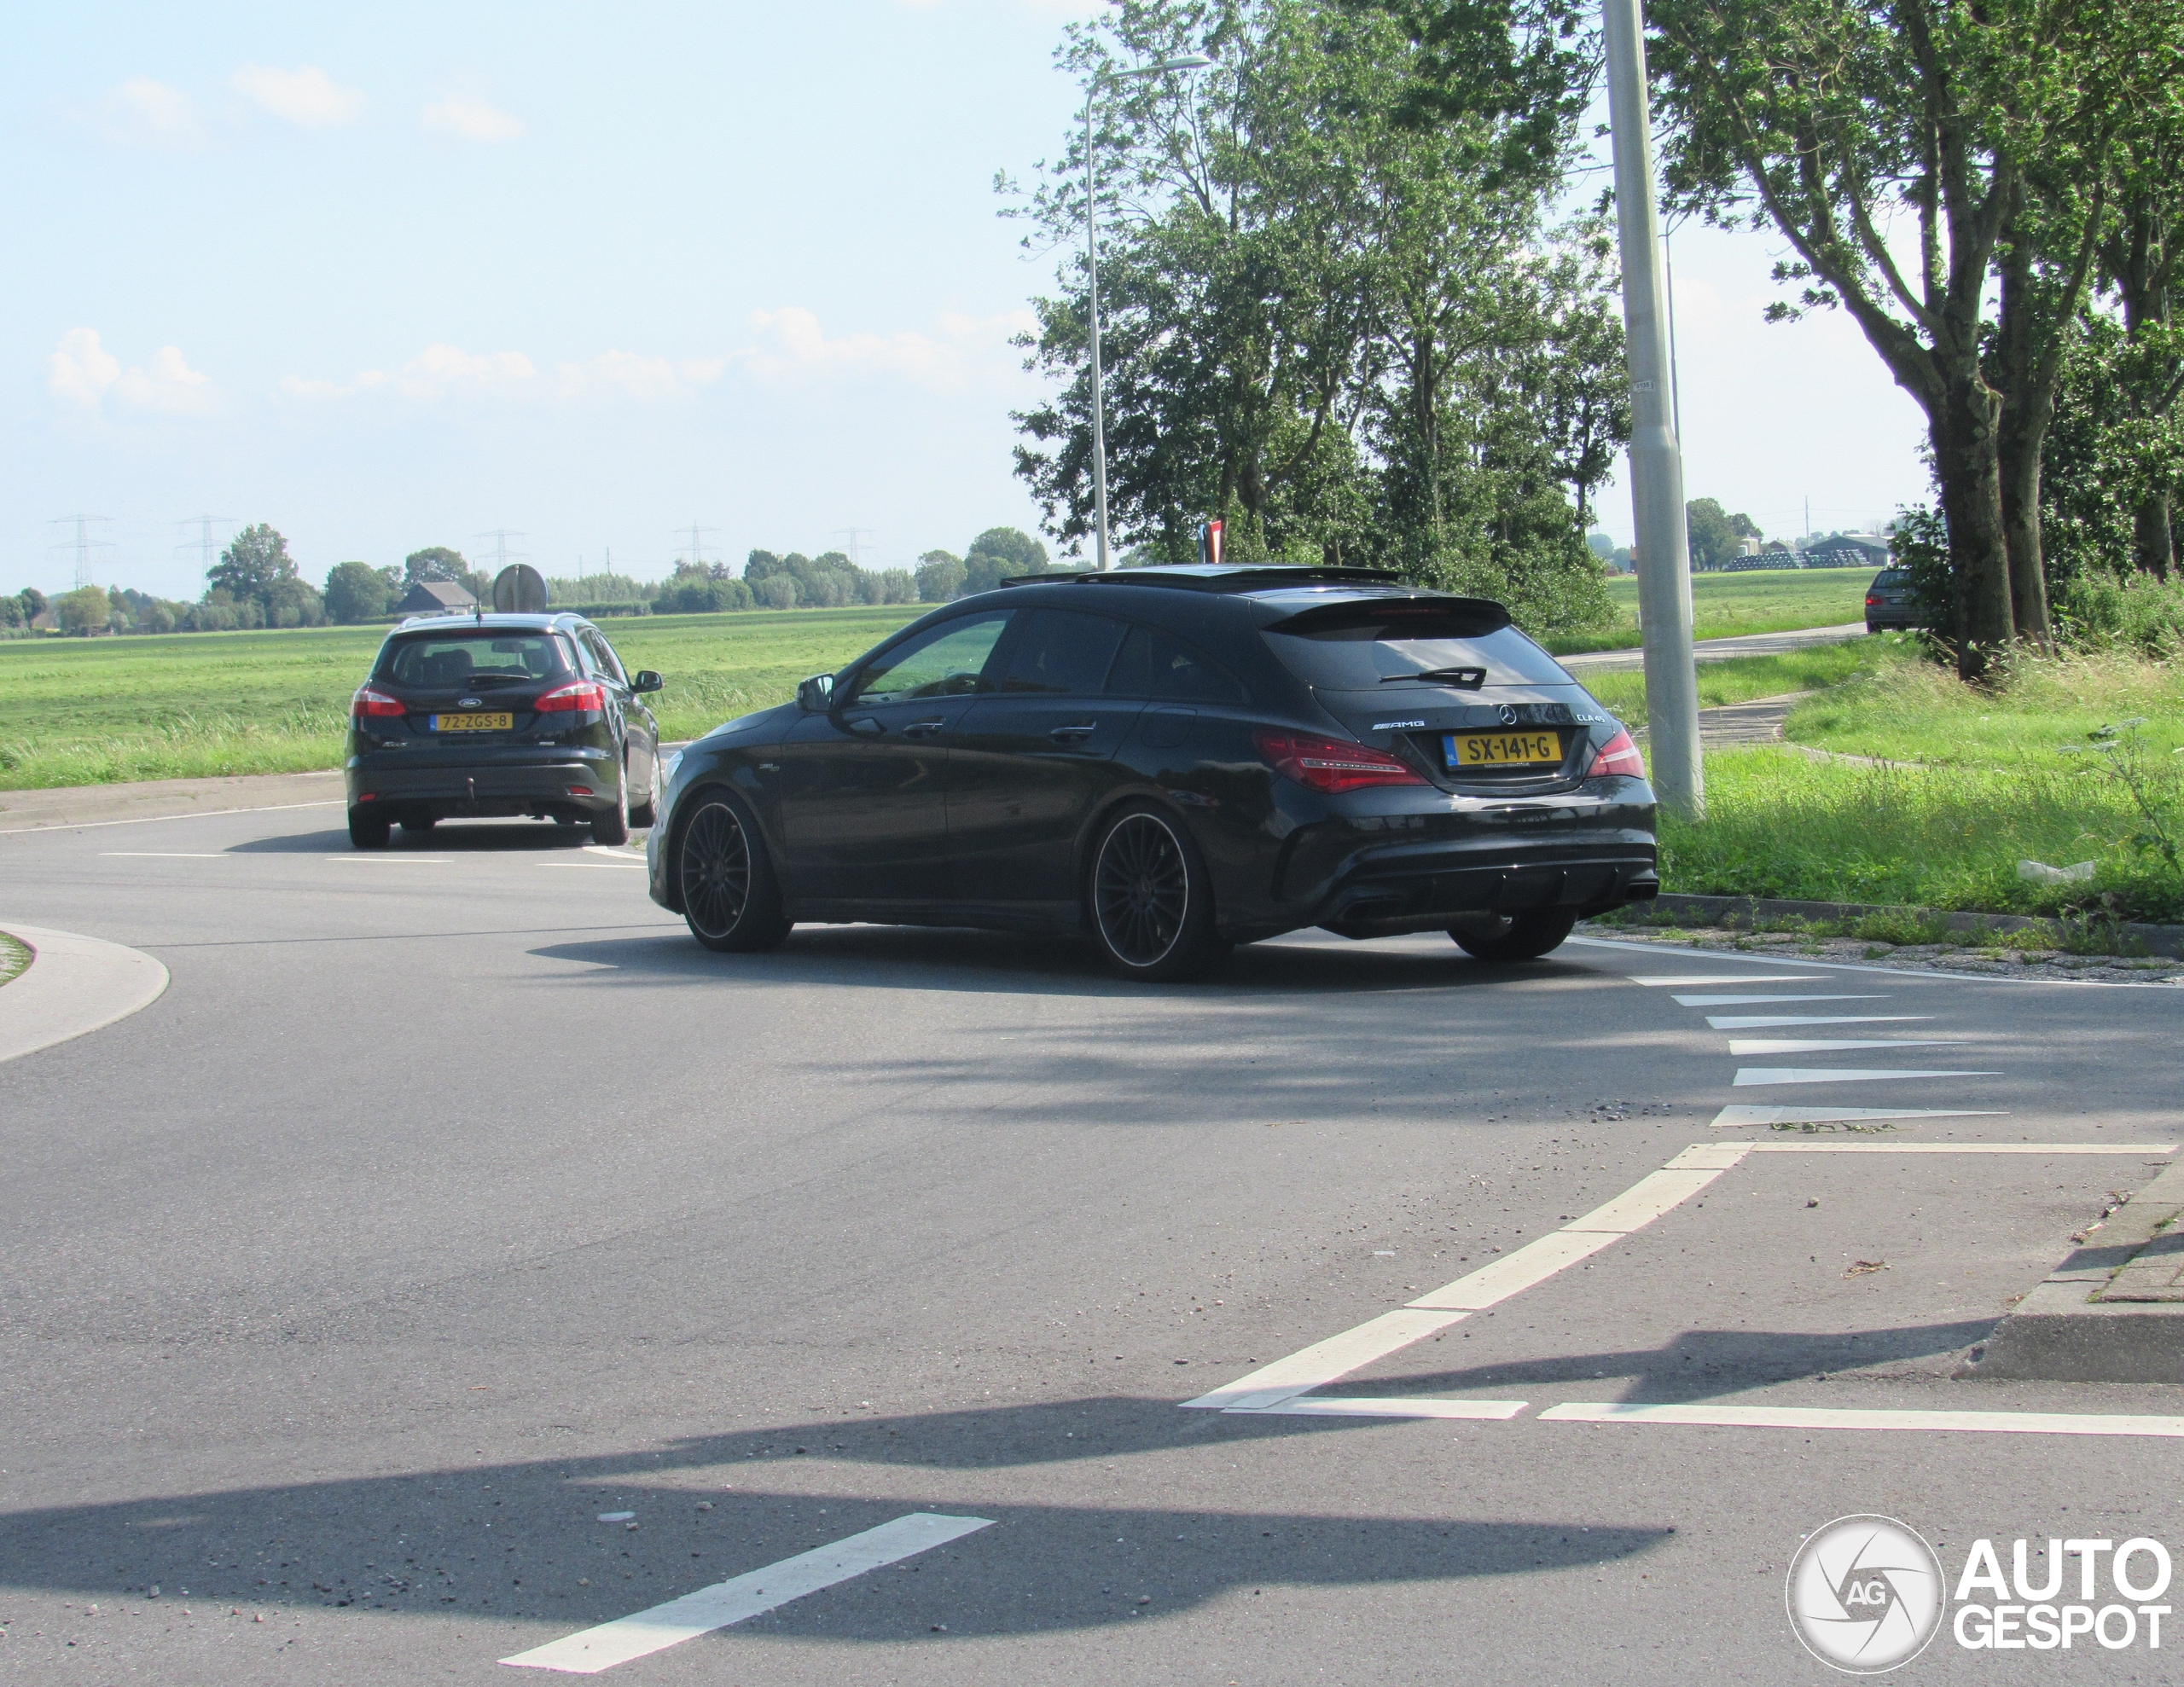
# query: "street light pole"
{"type": "Point", "coordinates": [1092, 269]}
{"type": "Point", "coordinates": [1656, 454]}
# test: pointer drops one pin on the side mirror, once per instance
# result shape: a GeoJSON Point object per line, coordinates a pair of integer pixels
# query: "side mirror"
{"type": "Point", "coordinates": [647, 681]}
{"type": "Point", "coordinates": [815, 695]}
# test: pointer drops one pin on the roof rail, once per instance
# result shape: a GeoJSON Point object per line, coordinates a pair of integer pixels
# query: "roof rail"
{"type": "Point", "coordinates": [1223, 578]}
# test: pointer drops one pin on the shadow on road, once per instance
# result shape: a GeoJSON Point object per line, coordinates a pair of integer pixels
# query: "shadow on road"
{"type": "Point", "coordinates": [524, 1540]}
{"type": "Point", "coordinates": [450, 838]}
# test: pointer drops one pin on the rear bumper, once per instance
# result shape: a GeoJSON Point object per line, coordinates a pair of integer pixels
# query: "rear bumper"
{"type": "Point", "coordinates": [1355, 879]}
{"type": "Point", "coordinates": [569, 780]}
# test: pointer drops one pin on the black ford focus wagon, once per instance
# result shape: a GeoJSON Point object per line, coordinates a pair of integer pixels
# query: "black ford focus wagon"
{"type": "Point", "coordinates": [1172, 762]}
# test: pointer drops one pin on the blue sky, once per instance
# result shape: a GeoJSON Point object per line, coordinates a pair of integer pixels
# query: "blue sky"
{"type": "Point", "coordinates": [399, 276]}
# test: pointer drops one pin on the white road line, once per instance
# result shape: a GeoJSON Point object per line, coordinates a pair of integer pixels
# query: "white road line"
{"type": "Point", "coordinates": [616, 849]}
{"type": "Point", "coordinates": [1731, 1001]}
{"type": "Point", "coordinates": [1754, 1021]}
{"type": "Point", "coordinates": [1749, 1077]}
{"type": "Point", "coordinates": [1823, 1045]}
{"type": "Point", "coordinates": [597, 866]}
{"type": "Point", "coordinates": [1324, 1362]}
{"type": "Point", "coordinates": [1499, 1410]}
{"type": "Point", "coordinates": [1961, 1147]}
{"type": "Point", "coordinates": [1730, 1118]}
{"type": "Point", "coordinates": [1690, 979]}
{"type": "Point", "coordinates": [1838, 1417]}
{"type": "Point", "coordinates": [725, 1603]}
{"type": "Point", "coordinates": [1657, 951]}
{"type": "Point", "coordinates": [148, 819]}
{"type": "Point", "coordinates": [1514, 1273]}
{"type": "Point", "coordinates": [163, 855]}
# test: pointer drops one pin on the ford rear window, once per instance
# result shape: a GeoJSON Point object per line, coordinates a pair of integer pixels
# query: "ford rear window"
{"type": "Point", "coordinates": [441, 660]}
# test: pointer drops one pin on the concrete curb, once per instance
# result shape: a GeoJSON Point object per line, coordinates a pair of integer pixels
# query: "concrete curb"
{"type": "Point", "coordinates": [2067, 1331]}
{"type": "Point", "coordinates": [74, 985]}
{"type": "Point", "coordinates": [2160, 940]}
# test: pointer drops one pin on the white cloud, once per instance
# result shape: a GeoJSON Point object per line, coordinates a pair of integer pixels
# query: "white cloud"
{"type": "Point", "coordinates": [306, 97]}
{"type": "Point", "coordinates": [465, 117]}
{"type": "Point", "coordinates": [964, 348]}
{"type": "Point", "coordinates": [647, 379]}
{"type": "Point", "coordinates": [143, 113]}
{"type": "Point", "coordinates": [82, 373]}
{"type": "Point", "coordinates": [448, 371]}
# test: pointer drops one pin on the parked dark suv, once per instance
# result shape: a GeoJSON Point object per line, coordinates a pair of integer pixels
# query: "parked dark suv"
{"type": "Point", "coordinates": [1890, 604]}
{"type": "Point", "coordinates": [501, 715]}
{"type": "Point", "coordinates": [1172, 760]}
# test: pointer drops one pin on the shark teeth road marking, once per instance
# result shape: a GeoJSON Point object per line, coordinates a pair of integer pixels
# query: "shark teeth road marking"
{"type": "Point", "coordinates": [1822, 1044]}
{"type": "Point", "coordinates": [1729, 1118]}
{"type": "Point", "coordinates": [1755, 1021]}
{"type": "Point", "coordinates": [1731, 1001]}
{"type": "Point", "coordinates": [1691, 980]}
{"type": "Point", "coordinates": [1748, 1076]}
{"type": "Point", "coordinates": [594, 1649]}
{"type": "Point", "coordinates": [1838, 1417]}
{"type": "Point", "coordinates": [1356, 1406]}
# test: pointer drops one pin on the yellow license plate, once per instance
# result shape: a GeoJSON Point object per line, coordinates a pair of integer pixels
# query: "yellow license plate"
{"type": "Point", "coordinates": [473, 723]}
{"type": "Point", "coordinates": [1503, 750]}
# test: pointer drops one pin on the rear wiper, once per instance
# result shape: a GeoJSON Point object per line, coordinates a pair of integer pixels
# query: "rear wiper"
{"type": "Point", "coordinates": [1470, 679]}
{"type": "Point", "coordinates": [476, 680]}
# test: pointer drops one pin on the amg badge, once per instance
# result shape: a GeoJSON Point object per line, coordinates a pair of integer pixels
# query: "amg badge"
{"type": "Point", "coordinates": [1395, 726]}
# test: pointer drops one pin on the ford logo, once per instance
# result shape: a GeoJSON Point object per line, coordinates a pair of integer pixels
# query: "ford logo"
{"type": "Point", "coordinates": [472, 702]}
{"type": "Point", "coordinates": [1508, 716]}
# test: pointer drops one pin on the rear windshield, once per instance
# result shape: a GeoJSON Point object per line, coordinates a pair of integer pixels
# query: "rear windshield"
{"type": "Point", "coordinates": [441, 659]}
{"type": "Point", "coordinates": [1889, 578]}
{"type": "Point", "coordinates": [1363, 654]}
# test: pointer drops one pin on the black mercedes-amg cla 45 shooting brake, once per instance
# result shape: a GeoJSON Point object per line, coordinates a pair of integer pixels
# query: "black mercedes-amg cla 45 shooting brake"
{"type": "Point", "coordinates": [1172, 760]}
{"type": "Point", "coordinates": [501, 715]}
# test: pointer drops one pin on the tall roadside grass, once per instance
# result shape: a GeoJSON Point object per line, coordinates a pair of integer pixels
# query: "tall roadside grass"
{"type": "Point", "coordinates": [1779, 824]}
{"type": "Point", "coordinates": [1920, 711]}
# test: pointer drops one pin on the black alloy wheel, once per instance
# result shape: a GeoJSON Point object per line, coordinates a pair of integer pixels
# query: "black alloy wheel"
{"type": "Point", "coordinates": [368, 831]}
{"type": "Point", "coordinates": [1517, 936]}
{"type": "Point", "coordinates": [729, 899]}
{"type": "Point", "coordinates": [1150, 901]}
{"type": "Point", "coordinates": [614, 827]}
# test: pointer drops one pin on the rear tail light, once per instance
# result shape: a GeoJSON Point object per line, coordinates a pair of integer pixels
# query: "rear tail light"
{"type": "Point", "coordinates": [369, 703]}
{"type": "Point", "coordinates": [584, 695]}
{"type": "Point", "coordinates": [1617, 756]}
{"type": "Point", "coordinates": [1329, 765]}
{"type": "Point", "coordinates": [1870, 601]}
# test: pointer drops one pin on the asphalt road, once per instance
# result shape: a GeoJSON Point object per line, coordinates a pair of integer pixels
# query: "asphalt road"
{"type": "Point", "coordinates": [1721, 650]}
{"type": "Point", "coordinates": [451, 1199]}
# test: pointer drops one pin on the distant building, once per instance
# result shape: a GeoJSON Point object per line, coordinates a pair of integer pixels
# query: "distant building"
{"type": "Point", "coordinates": [1844, 551]}
{"type": "Point", "coordinates": [437, 597]}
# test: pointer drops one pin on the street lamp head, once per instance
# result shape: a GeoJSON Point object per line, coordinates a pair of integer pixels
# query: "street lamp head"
{"type": "Point", "coordinates": [1189, 62]}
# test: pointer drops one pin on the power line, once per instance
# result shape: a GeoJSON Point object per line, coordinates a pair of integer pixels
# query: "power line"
{"type": "Point", "coordinates": [857, 556]}
{"type": "Point", "coordinates": [502, 556]}
{"type": "Point", "coordinates": [697, 544]}
{"type": "Point", "coordinates": [207, 545]}
{"type": "Point", "coordinates": [84, 543]}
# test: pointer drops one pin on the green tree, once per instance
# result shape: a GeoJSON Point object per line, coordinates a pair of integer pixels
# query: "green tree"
{"type": "Point", "coordinates": [256, 568]}
{"type": "Point", "coordinates": [1995, 128]}
{"type": "Point", "coordinates": [437, 562]}
{"type": "Point", "coordinates": [355, 591]}
{"type": "Point", "coordinates": [83, 610]}
{"type": "Point", "coordinates": [1713, 533]}
{"type": "Point", "coordinates": [1000, 554]}
{"type": "Point", "coordinates": [939, 577]}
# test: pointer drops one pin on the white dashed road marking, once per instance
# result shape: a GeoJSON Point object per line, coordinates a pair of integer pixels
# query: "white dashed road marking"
{"type": "Point", "coordinates": [1754, 1021]}
{"type": "Point", "coordinates": [1749, 1077]}
{"type": "Point", "coordinates": [1833, 1418]}
{"type": "Point", "coordinates": [727, 1603]}
{"type": "Point", "coordinates": [163, 855]}
{"type": "Point", "coordinates": [1822, 1044]}
{"type": "Point", "coordinates": [1730, 1118]}
{"type": "Point", "coordinates": [1688, 980]}
{"type": "Point", "coordinates": [1731, 1001]}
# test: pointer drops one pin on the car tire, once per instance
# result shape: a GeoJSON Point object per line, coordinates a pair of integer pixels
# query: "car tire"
{"type": "Point", "coordinates": [368, 832]}
{"type": "Point", "coordinates": [614, 827]}
{"type": "Point", "coordinates": [1521, 937]}
{"type": "Point", "coordinates": [419, 828]}
{"type": "Point", "coordinates": [731, 901]}
{"type": "Point", "coordinates": [646, 814]}
{"type": "Point", "coordinates": [1150, 900]}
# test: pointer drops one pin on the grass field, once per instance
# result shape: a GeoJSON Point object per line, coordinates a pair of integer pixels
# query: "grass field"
{"type": "Point", "coordinates": [1726, 605]}
{"type": "Point", "coordinates": [1741, 678]}
{"type": "Point", "coordinates": [86, 711]}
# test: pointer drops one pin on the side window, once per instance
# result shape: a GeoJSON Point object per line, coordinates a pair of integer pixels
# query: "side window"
{"type": "Point", "coordinates": [949, 660]}
{"type": "Point", "coordinates": [603, 652]}
{"type": "Point", "coordinates": [1158, 665]}
{"type": "Point", "coordinates": [1063, 653]}
{"type": "Point", "coordinates": [581, 657]}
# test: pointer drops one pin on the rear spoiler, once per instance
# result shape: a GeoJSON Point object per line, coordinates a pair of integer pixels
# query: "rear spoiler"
{"type": "Point", "coordinates": [1425, 616]}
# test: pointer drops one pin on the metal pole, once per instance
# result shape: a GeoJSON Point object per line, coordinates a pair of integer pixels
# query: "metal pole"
{"type": "Point", "coordinates": [1656, 459]}
{"type": "Point", "coordinates": [1092, 267]}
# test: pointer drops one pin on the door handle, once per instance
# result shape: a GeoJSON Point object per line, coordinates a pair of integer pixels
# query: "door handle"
{"type": "Point", "coordinates": [924, 729]}
{"type": "Point", "coordinates": [1072, 734]}
{"type": "Point", "coordinates": [866, 727]}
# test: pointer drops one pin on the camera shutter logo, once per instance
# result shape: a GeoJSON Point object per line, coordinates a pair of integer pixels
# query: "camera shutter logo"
{"type": "Point", "coordinates": [1865, 1594]}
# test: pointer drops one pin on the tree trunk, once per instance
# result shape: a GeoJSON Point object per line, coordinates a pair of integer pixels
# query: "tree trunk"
{"type": "Point", "coordinates": [2153, 540]}
{"type": "Point", "coordinates": [2017, 447]}
{"type": "Point", "coordinates": [1962, 428]}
